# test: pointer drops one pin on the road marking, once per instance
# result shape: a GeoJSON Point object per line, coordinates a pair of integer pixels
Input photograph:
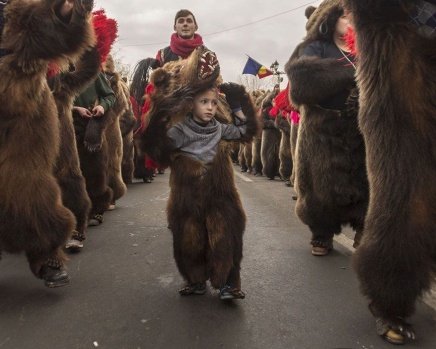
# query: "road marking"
{"type": "Point", "coordinates": [240, 175]}
{"type": "Point", "coordinates": [429, 299]}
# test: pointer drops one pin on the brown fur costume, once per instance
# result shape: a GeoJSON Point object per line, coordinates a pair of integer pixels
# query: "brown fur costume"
{"type": "Point", "coordinates": [331, 181]}
{"type": "Point", "coordinates": [32, 217]}
{"type": "Point", "coordinates": [269, 151]}
{"type": "Point", "coordinates": [67, 86]}
{"type": "Point", "coordinates": [113, 131]}
{"type": "Point", "coordinates": [127, 124]}
{"type": "Point", "coordinates": [257, 141]}
{"type": "Point", "coordinates": [396, 262]}
{"type": "Point", "coordinates": [285, 156]}
{"type": "Point", "coordinates": [93, 153]}
{"type": "Point", "coordinates": [205, 212]}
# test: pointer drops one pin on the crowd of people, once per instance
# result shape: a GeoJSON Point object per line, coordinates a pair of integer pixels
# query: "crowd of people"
{"type": "Point", "coordinates": [353, 132]}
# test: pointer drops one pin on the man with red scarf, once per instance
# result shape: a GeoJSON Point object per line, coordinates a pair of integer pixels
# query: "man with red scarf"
{"type": "Point", "coordinates": [183, 41]}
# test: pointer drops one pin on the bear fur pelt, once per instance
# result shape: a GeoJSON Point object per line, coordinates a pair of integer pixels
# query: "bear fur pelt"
{"type": "Point", "coordinates": [204, 209]}
{"type": "Point", "coordinates": [330, 173]}
{"type": "Point", "coordinates": [140, 82]}
{"type": "Point", "coordinates": [92, 147]}
{"type": "Point", "coordinates": [113, 131]}
{"type": "Point", "coordinates": [32, 216]}
{"type": "Point", "coordinates": [66, 86]}
{"type": "Point", "coordinates": [396, 262]}
{"type": "Point", "coordinates": [256, 161]}
{"type": "Point", "coordinates": [127, 125]}
{"type": "Point", "coordinates": [270, 144]}
{"type": "Point", "coordinates": [123, 108]}
{"type": "Point", "coordinates": [285, 155]}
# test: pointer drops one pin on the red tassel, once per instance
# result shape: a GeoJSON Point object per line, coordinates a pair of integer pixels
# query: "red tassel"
{"type": "Point", "coordinates": [274, 111]}
{"type": "Point", "coordinates": [53, 69]}
{"type": "Point", "coordinates": [350, 40]}
{"type": "Point", "coordinates": [106, 30]}
{"type": "Point", "coordinates": [282, 100]}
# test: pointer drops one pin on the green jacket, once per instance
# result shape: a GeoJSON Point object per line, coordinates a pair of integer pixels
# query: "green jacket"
{"type": "Point", "coordinates": [99, 91]}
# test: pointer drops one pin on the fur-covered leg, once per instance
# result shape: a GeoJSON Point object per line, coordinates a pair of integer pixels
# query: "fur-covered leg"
{"type": "Point", "coordinates": [115, 154]}
{"type": "Point", "coordinates": [189, 242]}
{"type": "Point", "coordinates": [127, 163]}
{"type": "Point", "coordinates": [94, 169]}
{"type": "Point", "coordinates": [49, 266]}
{"type": "Point", "coordinates": [221, 249]}
{"type": "Point", "coordinates": [322, 239]}
{"type": "Point", "coordinates": [394, 330]}
{"type": "Point", "coordinates": [248, 156]}
{"type": "Point", "coordinates": [75, 198]}
{"type": "Point", "coordinates": [256, 159]}
{"type": "Point", "coordinates": [241, 158]}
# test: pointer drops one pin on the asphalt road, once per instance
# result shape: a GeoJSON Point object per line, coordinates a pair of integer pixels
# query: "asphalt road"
{"type": "Point", "coordinates": [124, 286]}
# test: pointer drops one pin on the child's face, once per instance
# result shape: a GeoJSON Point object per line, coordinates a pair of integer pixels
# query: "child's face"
{"type": "Point", "coordinates": [204, 106]}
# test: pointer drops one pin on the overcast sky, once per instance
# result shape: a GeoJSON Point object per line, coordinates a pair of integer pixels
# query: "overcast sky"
{"type": "Point", "coordinates": [265, 30]}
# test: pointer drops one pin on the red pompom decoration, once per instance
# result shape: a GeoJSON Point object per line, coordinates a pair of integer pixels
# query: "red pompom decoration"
{"type": "Point", "coordinates": [282, 100]}
{"type": "Point", "coordinates": [106, 30]}
{"type": "Point", "coordinates": [350, 39]}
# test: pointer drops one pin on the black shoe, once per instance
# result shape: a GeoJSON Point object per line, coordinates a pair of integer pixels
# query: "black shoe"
{"type": "Point", "coordinates": [54, 277]}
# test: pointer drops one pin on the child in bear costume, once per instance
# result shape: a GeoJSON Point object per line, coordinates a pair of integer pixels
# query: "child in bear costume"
{"type": "Point", "coordinates": [205, 213]}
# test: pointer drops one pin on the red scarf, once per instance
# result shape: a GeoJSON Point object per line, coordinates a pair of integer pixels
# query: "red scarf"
{"type": "Point", "coordinates": [184, 48]}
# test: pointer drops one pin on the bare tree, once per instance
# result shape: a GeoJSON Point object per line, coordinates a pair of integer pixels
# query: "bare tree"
{"type": "Point", "coordinates": [122, 68]}
{"type": "Point", "coordinates": [253, 83]}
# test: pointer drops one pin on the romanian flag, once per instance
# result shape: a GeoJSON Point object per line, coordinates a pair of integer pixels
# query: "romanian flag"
{"type": "Point", "coordinates": [255, 68]}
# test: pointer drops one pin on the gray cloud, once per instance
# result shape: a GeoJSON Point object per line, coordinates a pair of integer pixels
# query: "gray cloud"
{"type": "Point", "coordinates": [145, 26]}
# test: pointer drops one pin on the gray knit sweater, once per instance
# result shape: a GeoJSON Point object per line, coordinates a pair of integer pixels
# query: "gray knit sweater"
{"type": "Point", "coordinates": [201, 142]}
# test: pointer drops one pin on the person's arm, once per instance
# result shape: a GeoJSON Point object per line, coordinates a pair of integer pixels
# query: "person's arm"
{"type": "Point", "coordinates": [83, 112]}
{"type": "Point", "coordinates": [106, 96]}
{"type": "Point", "coordinates": [243, 110]}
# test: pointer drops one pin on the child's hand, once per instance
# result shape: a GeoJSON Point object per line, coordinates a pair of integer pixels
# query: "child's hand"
{"type": "Point", "coordinates": [98, 110]}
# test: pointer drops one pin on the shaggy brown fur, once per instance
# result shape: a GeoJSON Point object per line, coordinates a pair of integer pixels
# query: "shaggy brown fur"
{"type": "Point", "coordinates": [127, 124]}
{"type": "Point", "coordinates": [396, 262]}
{"type": "Point", "coordinates": [67, 86]}
{"type": "Point", "coordinates": [32, 217]}
{"type": "Point", "coordinates": [256, 161]}
{"type": "Point", "coordinates": [269, 151]}
{"type": "Point", "coordinates": [205, 212]}
{"type": "Point", "coordinates": [331, 182]}
{"type": "Point", "coordinates": [113, 131]}
{"type": "Point", "coordinates": [285, 156]}
{"type": "Point", "coordinates": [92, 146]}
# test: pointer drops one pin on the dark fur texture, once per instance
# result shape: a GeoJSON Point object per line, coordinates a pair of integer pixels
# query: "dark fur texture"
{"type": "Point", "coordinates": [127, 124]}
{"type": "Point", "coordinates": [205, 213]}
{"type": "Point", "coordinates": [120, 133]}
{"type": "Point", "coordinates": [115, 140]}
{"type": "Point", "coordinates": [396, 261]}
{"type": "Point", "coordinates": [32, 216]}
{"type": "Point", "coordinates": [93, 149]}
{"type": "Point", "coordinates": [293, 139]}
{"type": "Point", "coordinates": [67, 86]}
{"type": "Point", "coordinates": [269, 151]}
{"type": "Point", "coordinates": [95, 164]}
{"type": "Point", "coordinates": [285, 155]}
{"type": "Point", "coordinates": [331, 182]}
